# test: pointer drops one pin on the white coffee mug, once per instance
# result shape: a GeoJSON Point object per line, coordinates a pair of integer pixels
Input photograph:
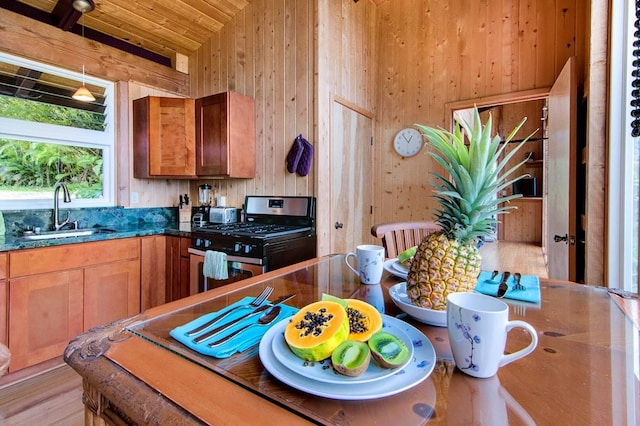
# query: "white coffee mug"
{"type": "Point", "coordinates": [477, 325]}
{"type": "Point", "coordinates": [370, 261]}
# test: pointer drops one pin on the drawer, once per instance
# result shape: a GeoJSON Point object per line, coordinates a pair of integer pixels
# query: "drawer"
{"type": "Point", "coordinates": [71, 256]}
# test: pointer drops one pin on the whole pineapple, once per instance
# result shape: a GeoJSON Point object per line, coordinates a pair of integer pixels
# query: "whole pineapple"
{"type": "Point", "coordinates": [448, 261]}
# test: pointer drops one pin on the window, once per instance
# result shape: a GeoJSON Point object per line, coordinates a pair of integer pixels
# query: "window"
{"type": "Point", "coordinates": [623, 232]}
{"type": "Point", "coordinates": [47, 137]}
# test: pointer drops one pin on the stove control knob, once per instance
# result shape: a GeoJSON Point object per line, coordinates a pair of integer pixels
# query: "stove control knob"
{"type": "Point", "coordinates": [207, 243]}
{"type": "Point", "coordinates": [237, 247]}
{"type": "Point", "coordinates": [247, 249]}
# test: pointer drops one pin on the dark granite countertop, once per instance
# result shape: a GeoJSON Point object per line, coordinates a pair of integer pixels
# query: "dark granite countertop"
{"type": "Point", "coordinates": [121, 223]}
{"type": "Point", "coordinates": [9, 242]}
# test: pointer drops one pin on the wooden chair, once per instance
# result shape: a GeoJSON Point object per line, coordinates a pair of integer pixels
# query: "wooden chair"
{"type": "Point", "coordinates": [399, 236]}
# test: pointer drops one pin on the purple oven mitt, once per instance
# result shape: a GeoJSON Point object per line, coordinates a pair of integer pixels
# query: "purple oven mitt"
{"type": "Point", "coordinates": [293, 157]}
{"type": "Point", "coordinates": [304, 165]}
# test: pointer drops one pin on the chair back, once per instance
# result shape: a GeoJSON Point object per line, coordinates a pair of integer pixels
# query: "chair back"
{"type": "Point", "coordinates": [398, 236]}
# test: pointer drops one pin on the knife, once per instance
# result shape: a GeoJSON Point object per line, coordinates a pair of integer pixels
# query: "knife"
{"type": "Point", "coordinates": [181, 202]}
{"type": "Point", "coordinates": [256, 311]}
{"type": "Point", "coordinates": [503, 285]}
{"type": "Point", "coordinates": [186, 199]}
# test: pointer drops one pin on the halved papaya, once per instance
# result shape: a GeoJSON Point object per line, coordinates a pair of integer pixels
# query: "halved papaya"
{"type": "Point", "coordinates": [364, 320]}
{"type": "Point", "coordinates": [316, 330]}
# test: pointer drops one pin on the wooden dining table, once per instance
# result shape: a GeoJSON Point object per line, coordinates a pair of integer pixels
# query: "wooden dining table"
{"type": "Point", "coordinates": [585, 369]}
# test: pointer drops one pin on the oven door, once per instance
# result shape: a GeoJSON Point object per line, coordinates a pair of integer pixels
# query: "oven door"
{"type": "Point", "coordinates": [239, 269]}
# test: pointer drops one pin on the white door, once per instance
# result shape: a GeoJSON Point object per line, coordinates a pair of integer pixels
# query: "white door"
{"type": "Point", "coordinates": [560, 162]}
{"type": "Point", "coordinates": [351, 177]}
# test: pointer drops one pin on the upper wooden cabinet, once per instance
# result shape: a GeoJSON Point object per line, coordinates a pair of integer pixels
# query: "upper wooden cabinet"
{"type": "Point", "coordinates": [225, 136]}
{"type": "Point", "coordinates": [163, 138]}
{"type": "Point", "coordinates": [185, 138]}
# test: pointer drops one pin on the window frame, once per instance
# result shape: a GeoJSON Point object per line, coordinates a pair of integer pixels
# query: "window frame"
{"type": "Point", "coordinates": [622, 239]}
{"type": "Point", "coordinates": [65, 135]}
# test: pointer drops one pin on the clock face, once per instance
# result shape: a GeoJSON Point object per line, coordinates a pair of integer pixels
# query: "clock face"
{"type": "Point", "coordinates": [408, 142]}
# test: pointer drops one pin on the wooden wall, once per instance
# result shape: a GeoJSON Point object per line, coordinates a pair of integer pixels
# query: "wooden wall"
{"type": "Point", "coordinates": [135, 78]}
{"type": "Point", "coordinates": [433, 52]}
{"type": "Point", "coordinates": [266, 52]}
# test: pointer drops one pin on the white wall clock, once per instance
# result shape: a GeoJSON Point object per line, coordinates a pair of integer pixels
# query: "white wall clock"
{"type": "Point", "coordinates": [408, 142]}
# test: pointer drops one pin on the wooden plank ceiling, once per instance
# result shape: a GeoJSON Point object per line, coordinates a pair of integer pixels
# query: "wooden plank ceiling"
{"type": "Point", "coordinates": [159, 30]}
{"type": "Point", "coordinates": [161, 27]}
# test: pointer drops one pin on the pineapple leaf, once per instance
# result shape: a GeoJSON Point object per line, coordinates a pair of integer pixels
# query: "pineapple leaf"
{"type": "Point", "coordinates": [475, 164]}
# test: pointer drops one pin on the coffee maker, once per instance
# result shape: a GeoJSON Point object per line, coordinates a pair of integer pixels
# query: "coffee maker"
{"type": "Point", "coordinates": [200, 214]}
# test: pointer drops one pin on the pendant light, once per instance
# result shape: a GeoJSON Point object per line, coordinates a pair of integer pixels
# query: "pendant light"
{"type": "Point", "coordinates": [83, 94]}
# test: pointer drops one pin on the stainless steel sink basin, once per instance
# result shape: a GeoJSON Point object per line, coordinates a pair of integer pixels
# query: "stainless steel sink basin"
{"type": "Point", "coordinates": [70, 233]}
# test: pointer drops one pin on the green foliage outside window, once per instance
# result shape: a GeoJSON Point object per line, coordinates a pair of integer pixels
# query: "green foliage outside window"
{"type": "Point", "coordinates": [39, 166]}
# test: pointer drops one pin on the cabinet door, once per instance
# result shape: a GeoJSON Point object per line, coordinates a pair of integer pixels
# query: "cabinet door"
{"type": "Point", "coordinates": [163, 137]}
{"type": "Point", "coordinates": [111, 292]}
{"type": "Point", "coordinates": [177, 268]}
{"type": "Point", "coordinates": [45, 313]}
{"type": "Point", "coordinates": [225, 136]}
{"type": "Point", "coordinates": [153, 271]}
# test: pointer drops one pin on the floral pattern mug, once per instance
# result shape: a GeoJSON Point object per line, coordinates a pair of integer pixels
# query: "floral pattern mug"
{"type": "Point", "coordinates": [370, 263]}
{"type": "Point", "coordinates": [477, 326]}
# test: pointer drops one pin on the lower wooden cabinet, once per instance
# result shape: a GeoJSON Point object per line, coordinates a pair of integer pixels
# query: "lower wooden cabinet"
{"type": "Point", "coordinates": [153, 275]}
{"type": "Point", "coordinates": [177, 262]}
{"type": "Point", "coordinates": [111, 292]}
{"type": "Point", "coordinates": [56, 293]}
{"type": "Point", "coordinates": [45, 313]}
{"type": "Point", "coordinates": [524, 223]}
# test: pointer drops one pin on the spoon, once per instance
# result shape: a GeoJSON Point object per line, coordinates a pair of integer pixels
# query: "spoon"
{"type": "Point", "coordinates": [265, 319]}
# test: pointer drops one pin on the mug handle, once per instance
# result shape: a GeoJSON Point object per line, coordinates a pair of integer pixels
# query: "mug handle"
{"type": "Point", "coordinates": [506, 359]}
{"type": "Point", "coordinates": [346, 260]}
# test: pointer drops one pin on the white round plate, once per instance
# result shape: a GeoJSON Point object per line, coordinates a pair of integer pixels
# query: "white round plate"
{"type": "Point", "coordinates": [322, 371]}
{"type": "Point", "coordinates": [400, 267]}
{"type": "Point", "coordinates": [416, 371]}
{"type": "Point", "coordinates": [399, 296]}
{"type": "Point", "coordinates": [393, 267]}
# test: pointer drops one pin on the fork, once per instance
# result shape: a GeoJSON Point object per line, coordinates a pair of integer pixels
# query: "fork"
{"type": "Point", "coordinates": [254, 304]}
{"type": "Point", "coordinates": [518, 286]}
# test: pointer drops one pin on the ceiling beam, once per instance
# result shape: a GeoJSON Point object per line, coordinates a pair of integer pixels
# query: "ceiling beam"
{"type": "Point", "coordinates": [50, 19]}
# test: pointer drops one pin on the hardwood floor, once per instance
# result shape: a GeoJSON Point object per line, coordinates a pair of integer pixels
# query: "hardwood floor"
{"type": "Point", "coordinates": [526, 258]}
{"type": "Point", "coordinates": [55, 397]}
{"type": "Point", "coordinates": [52, 398]}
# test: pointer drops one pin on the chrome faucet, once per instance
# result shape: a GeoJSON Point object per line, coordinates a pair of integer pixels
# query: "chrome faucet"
{"type": "Point", "coordinates": [56, 208]}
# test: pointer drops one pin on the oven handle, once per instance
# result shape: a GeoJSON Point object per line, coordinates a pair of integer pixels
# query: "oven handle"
{"type": "Point", "coordinates": [249, 260]}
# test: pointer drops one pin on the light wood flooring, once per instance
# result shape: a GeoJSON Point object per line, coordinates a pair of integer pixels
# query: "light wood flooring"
{"type": "Point", "coordinates": [55, 397]}
{"type": "Point", "coordinates": [526, 258]}
{"type": "Point", "coordinates": [52, 398]}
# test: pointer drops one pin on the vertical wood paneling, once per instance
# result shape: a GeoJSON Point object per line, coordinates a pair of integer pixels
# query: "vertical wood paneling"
{"type": "Point", "coordinates": [465, 50]}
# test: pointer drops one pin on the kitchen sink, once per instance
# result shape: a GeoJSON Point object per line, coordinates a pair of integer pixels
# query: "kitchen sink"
{"type": "Point", "coordinates": [67, 233]}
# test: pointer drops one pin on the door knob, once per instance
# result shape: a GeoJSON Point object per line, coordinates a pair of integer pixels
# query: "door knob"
{"type": "Point", "coordinates": [338, 225]}
{"type": "Point", "coordinates": [558, 238]}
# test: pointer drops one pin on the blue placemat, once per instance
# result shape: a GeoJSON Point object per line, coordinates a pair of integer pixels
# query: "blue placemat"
{"type": "Point", "coordinates": [239, 343]}
{"type": "Point", "coordinates": [531, 293]}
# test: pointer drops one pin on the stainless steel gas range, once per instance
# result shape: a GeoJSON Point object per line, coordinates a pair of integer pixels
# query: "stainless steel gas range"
{"type": "Point", "coordinates": [277, 232]}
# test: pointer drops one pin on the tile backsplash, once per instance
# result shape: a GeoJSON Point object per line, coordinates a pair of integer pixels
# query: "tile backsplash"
{"type": "Point", "coordinates": [17, 221]}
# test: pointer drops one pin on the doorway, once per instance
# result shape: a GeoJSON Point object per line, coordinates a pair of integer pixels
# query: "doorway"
{"type": "Point", "coordinates": [351, 176]}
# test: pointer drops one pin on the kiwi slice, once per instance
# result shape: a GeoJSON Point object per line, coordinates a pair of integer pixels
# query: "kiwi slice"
{"type": "Point", "coordinates": [407, 254]}
{"type": "Point", "coordinates": [388, 350]}
{"type": "Point", "coordinates": [351, 358]}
